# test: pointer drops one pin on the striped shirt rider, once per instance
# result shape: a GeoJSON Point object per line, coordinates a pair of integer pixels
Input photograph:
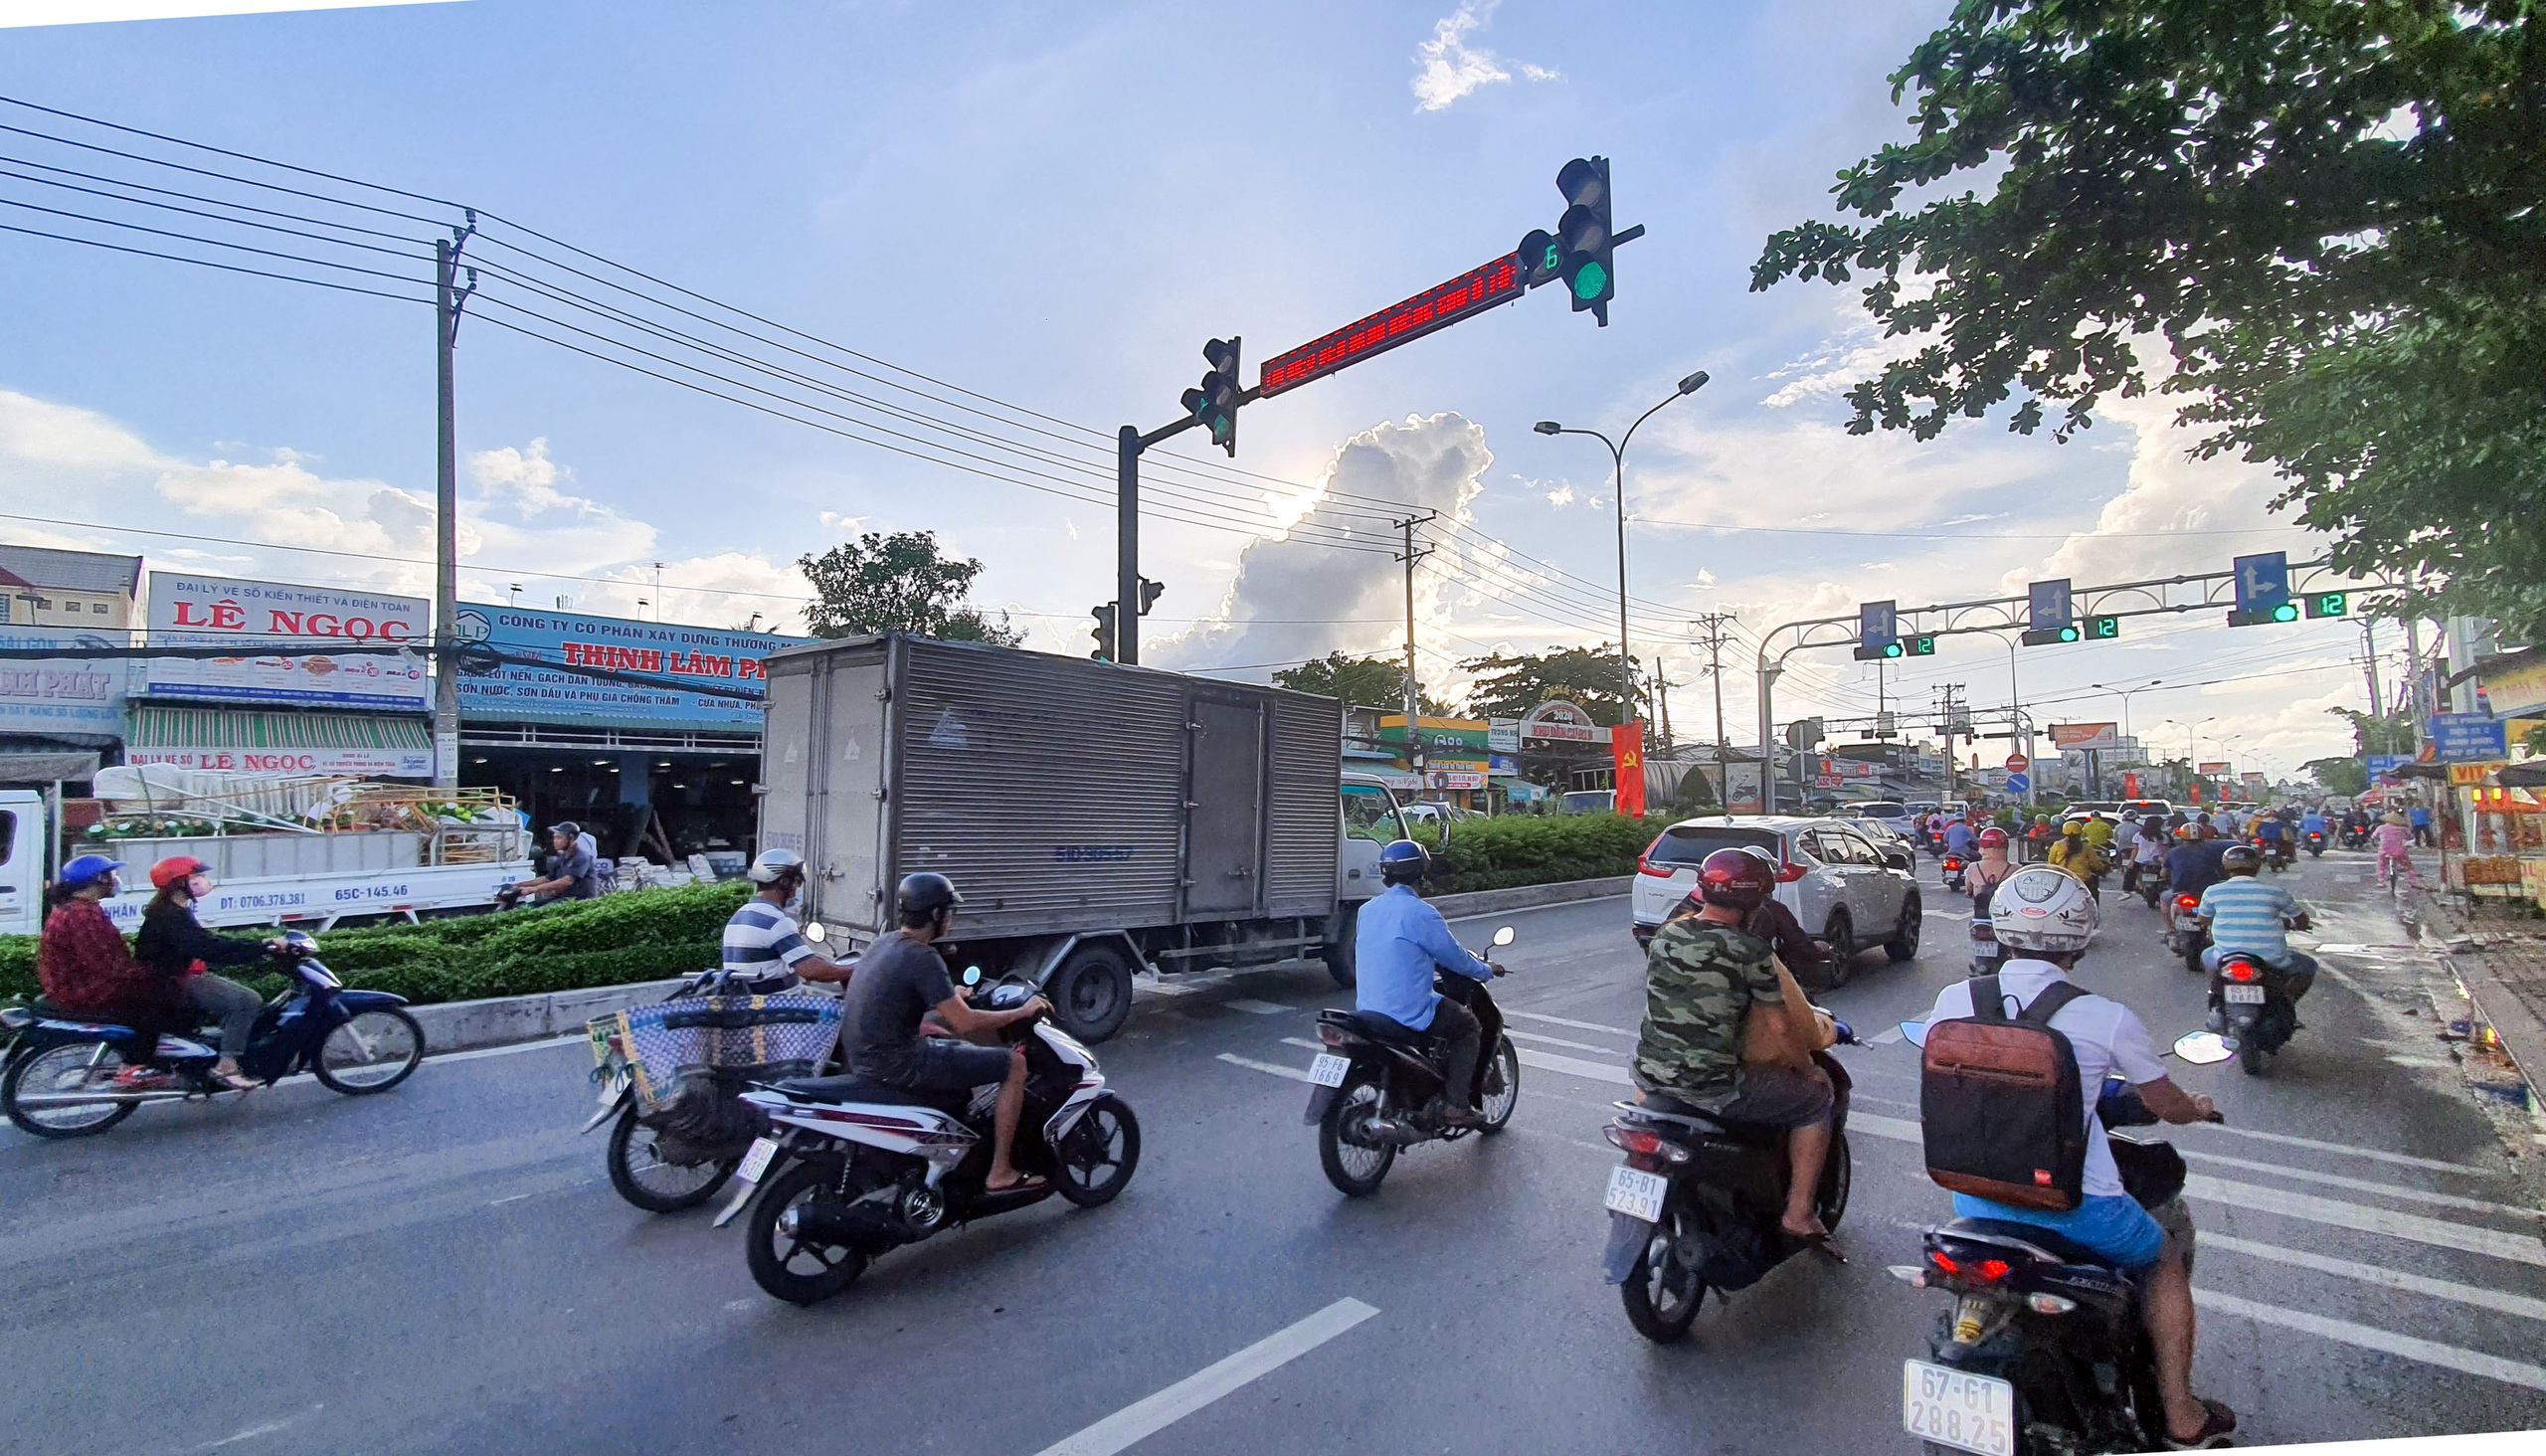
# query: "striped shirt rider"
{"type": "Point", "coordinates": [762, 941]}
{"type": "Point", "coordinates": [2246, 915]}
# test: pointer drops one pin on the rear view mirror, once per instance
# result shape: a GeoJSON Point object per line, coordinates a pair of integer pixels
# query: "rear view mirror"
{"type": "Point", "coordinates": [1506, 936]}
{"type": "Point", "coordinates": [813, 932]}
{"type": "Point", "coordinates": [2201, 1049]}
{"type": "Point", "coordinates": [972, 975]}
{"type": "Point", "coordinates": [1914, 1033]}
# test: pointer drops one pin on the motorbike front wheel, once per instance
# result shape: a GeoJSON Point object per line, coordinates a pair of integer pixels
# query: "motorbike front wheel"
{"type": "Point", "coordinates": [372, 1051]}
{"type": "Point", "coordinates": [1355, 1165]}
{"type": "Point", "coordinates": [796, 1270]}
{"type": "Point", "coordinates": [1661, 1294]}
{"type": "Point", "coordinates": [643, 1178]}
{"type": "Point", "coordinates": [1502, 1088]}
{"type": "Point", "coordinates": [1096, 1158]}
{"type": "Point", "coordinates": [64, 1071]}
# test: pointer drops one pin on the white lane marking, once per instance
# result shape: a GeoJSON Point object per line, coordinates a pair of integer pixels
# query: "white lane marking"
{"type": "Point", "coordinates": [1304, 1041]}
{"type": "Point", "coordinates": [2402, 1159]}
{"type": "Point", "coordinates": [515, 1199]}
{"type": "Point", "coordinates": [1885, 1038]}
{"type": "Point", "coordinates": [1548, 1061]}
{"type": "Point", "coordinates": [263, 1429]}
{"type": "Point", "coordinates": [1143, 1418]}
{"type": "Point", "coordinates": [2361, 1184]}
{"type": "Point", "coordinates": [1294, 1073]}
{"type": "Point", "coordinates": [2396, 1279]}
{"type": "Point", "coordinates": [1527, 909]}
{"type": "Point", "coordinates": [2426, 1351]}
{"type": "Point", "coordinates": [1564, 1022]}
{"type": "Point", "coordinates": [571, 1039]}
{"type": "Point", "coordinates": [1555, 1041]}
{"type": "Point", "coordinates": [1259, 1007]}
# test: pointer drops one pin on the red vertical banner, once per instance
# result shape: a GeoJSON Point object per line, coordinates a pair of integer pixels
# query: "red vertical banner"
{"type": "Point", "coordinates": [2130, 785]}
{"type": "Point", "coordinates": [1626, 747]}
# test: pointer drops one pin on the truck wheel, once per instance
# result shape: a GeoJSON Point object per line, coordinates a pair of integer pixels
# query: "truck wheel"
{"type": "Point", "coordinates": [1341, 933]}
{"type": "Point", "coordinates": [1091, 994]}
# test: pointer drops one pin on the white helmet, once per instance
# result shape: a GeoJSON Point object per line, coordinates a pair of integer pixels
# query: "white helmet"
{"type": "Point", "coordinates": [775, 864]}
{"type": "Point", "coordinates": [2040, 908]}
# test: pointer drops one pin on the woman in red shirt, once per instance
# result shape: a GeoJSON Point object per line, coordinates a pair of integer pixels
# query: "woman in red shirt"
{"type": "Point", "coordinates": [88, 970]}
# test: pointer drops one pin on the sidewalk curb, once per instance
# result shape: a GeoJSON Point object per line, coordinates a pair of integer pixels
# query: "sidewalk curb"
{"type": "Point", "coordinates": [1530, 897]}
{"type": "Point", "coordinates": [2492, 1004]}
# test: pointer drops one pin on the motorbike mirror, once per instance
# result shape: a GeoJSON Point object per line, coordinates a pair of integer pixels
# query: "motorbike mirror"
{"type": "Point", "coordinates": [1914, 1033]}
{"type": "Point", "coordinates": [972, 975]}
{"type": "Point", "coordinates": [813, 932]}
{"type": "Point", "coordinates": [2201, 1049]}
{"type": "Point", "coordinates": [1506, 936]}
{"type": "Point", "coordinates": [1846, 1034]}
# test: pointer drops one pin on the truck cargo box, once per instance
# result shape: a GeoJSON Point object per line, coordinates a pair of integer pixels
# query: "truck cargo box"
{"type": "Point", "coordinates": [1059, 795]}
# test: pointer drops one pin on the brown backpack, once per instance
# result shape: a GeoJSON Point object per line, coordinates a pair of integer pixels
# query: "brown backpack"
{"type": "Point", "coordinates": [2005, 1118]}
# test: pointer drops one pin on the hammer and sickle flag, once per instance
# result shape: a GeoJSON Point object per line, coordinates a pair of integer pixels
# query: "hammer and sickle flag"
{"type": "Point", "coordinates": [1626, 746]}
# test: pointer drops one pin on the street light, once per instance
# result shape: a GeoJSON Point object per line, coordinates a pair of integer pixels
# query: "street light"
{"type": "Point", "coordinates": [1618, 488]}
{"type": "Point", "coordinates": [2124, 693]}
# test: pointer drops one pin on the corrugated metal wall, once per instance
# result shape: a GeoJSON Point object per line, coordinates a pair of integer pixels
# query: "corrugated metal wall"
{"type": "Point", "coordinates": [1049, 789]}
{"type": "Point", "coordinates": [1308, 765]}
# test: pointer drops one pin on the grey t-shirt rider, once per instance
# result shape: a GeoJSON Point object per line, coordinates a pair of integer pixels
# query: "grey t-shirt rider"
{"type": "Point", "coordinates": [898, 981]}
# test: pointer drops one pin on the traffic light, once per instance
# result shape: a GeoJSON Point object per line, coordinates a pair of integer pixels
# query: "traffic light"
{"type": "Point", "coordinates": [2286, 612]}
{"type": "Point", "coordinates": [1919, 647]}
{"type": "Point", "coordinates": [1103, 632]}
{"type": "Point", "coordinates": [1875, 650]}
{"type": "Point", "coordinates": [2046, 635]}
{"type": "Point", "coordinates": [1149, 593]}
{"type": "Point", "coordinates": [2329, 603]}
{"type": "Point", "coordinates": [1215, 401]}
{"type": "Point", "coordinates": [1584, 236]}
{"type": "Point", "coordinates": [2103, 629]}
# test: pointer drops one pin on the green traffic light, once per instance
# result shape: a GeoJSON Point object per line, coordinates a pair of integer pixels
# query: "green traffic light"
{"type": "Point", "coordinates": [1592, 280]}
{"type": "Point", "coordinates": [1891, 649]}
{"type": "Point", "coordinates": [2286, 612]}
{"type": "Point", "coordinates": [2069, 634]}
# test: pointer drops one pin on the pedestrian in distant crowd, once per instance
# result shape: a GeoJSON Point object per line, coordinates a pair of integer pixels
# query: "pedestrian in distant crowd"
{"type": "Point", "coordinates": [2418, 819]}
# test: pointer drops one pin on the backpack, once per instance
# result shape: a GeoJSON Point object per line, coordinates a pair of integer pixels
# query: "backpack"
{"type": "Point", "coordinates": [2005, 1118]}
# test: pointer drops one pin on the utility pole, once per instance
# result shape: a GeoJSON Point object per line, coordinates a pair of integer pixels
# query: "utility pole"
{"type": "Point", "coordinates": [449, 299]}
{"type": "Point", "coordinates": [1714, 629]}
{"type": "Point", "coordinates": [1662, 700]}
{"type": "Point", "coordinates": [1944, 729]}
{"type": "Point", "coordinates": [1414, 703]}
{"type": "Point", "coordinates": [2415, 711]}
{"type": "Point", "coordinates": [2369, 660]}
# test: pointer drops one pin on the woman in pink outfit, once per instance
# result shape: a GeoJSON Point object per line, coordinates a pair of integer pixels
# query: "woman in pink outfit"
{"type": "Point", "coordinates": [2395, 842]}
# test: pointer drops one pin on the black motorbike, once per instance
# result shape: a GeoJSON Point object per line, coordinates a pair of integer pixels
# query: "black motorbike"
{"type": "Point", "coordinates": [2187, 934]}
{"type": "Point", "coordinates": [2315, 843]}
{"type": "Point", "coordinates": [2279, 853]}
{"type": "Point", "coordinates": [1697, 1205]}
{"type": "Point", "coordinates": [1379, 1087]}
{"type": "Point", "coordinates": [2044, 1352]}
{"type": "Point", "coordinates": [1953, 871]}
{"type": "Point", "coordinates": [2251, 999]}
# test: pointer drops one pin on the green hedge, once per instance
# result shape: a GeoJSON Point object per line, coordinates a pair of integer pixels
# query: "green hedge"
{"type": "Point", "coordinates": [641, 935]}
{"type": "Point", "coordinates": [1532, 849]}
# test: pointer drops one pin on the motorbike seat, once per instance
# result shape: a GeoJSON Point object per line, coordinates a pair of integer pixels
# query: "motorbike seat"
{"type": "Point", "coordinates": [1390, 1031]}
{"type": "Point", "coordinates": [2050, 1241]}
{"type": "Point", "coordinates": [851, 1088]}
{"type": "Point", "coordinates": [1756, 1134]}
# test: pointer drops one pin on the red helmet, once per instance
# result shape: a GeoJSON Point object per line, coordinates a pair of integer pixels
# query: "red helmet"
{"type": "Point", "coordinates": [1993, 837]}
{"type": "Point", "coordinates": [1737, 878]}
{"type": "Point", "coordinates": [174, 868]}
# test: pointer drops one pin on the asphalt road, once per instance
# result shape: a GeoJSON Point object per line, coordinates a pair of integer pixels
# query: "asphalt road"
{"type": "Point", "coordinates": [446, 1268]}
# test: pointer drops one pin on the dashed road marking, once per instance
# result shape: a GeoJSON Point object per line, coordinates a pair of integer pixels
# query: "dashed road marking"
{"type": "Point", "coordinates": [1276, 1068]}
{"type": "Point", "coordinates": [2407, 1346]}
{"type": "Point", "coordinates": [1554, 1040]}
{"type": "Point", "coordinates": [2378, 1155]}
{"type": "Point", "coordinates": [2499, 1300]}
{"type": "Point", "coordinates": [1569, 1022]}
{"type": "Point", "coordinates": [1258, 1008]}
{"type": "Point", "coordinates": [2360, 1185]}
{"type": "Point", "coordinates": [1143, 1418]}
{"type": "Point", "coordinates": [1548, 1061]}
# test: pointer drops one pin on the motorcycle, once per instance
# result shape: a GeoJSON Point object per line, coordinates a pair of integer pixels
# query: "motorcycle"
{"type": "Point", "coordinates": [60, 1069]}
{"type": "Point", "coordinates": [1375, 1088]}
{"type": "Point", "coordinates": [2250, 1000]}
{"type": "Point", "coordinates": [1953, 871]}
{"type": "Point", "coordinates": [2044, 1352]}
{"type": "Point", "coordinates": [2153, 883]}
{"type": "Point", "coordinates": [2187, 936]}
{"type": "Point", "coordinates": [851, 1170]}
{"type": "Point", "coordinates": [2279, 853]}
{"type": "Point", "coordinates": [2315, 843]}
{"type": "Point", "coordinates": [1985, 949]}
{"type": "Point", "coordinates": [1698, 1202]}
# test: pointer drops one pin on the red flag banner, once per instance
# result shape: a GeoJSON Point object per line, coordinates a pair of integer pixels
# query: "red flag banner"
{"type": "Point", "coordinates": [1626, 744]}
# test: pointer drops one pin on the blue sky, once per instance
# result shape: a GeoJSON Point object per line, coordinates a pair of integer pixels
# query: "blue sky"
{"type": "Point", "coordinates": [1056, 206]}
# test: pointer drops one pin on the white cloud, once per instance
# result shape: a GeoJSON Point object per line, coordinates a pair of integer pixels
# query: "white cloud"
{"type": "Point", "coordinates": [1447, 68]}
{"type": "Point", "coordinates": [1560, 497]}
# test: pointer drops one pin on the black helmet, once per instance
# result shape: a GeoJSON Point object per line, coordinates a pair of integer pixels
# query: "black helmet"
{"type": "Point", "coordinates": [1405, 862]}
{"type": "Point", "coordinates": [925, 893]}
{"type": "Point", "coordinates": [2241, 860]}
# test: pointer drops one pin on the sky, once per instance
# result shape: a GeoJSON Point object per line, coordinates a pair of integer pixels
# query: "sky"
{"type": "Point", "coordinates": [1043, 212]}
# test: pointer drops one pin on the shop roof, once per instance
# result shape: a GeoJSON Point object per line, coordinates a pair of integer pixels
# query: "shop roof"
{"type": "Point", "coordinates": [46, 569]}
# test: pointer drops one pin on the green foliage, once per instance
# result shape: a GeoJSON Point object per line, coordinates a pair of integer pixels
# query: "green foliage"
{"type": "Point", "coordinates": [1370, 682]}
{"type": "Point", "coordinates": [2344, 776]}
{"type": "Point", "coordinates": [1535, 849]}
{"type": "Point", "coordinates": [2379, 734]}
{"type": "Point", "coordinates": [2535, 739]}
{"type": "Point", "coordinates": [2329, 210]}
{"type": "Point", "coordinates": [1696, 787]}
{"type": "Point", "coordinates": [1507, 687]}
{"type": "Point", "coordinates": [641, 935]}
{"type": "Point", "coordinates": [898, 583]}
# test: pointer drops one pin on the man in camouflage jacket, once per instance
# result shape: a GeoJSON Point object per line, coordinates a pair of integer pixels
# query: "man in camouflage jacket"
{"type": "Point", "coordinates": [1706, 979]}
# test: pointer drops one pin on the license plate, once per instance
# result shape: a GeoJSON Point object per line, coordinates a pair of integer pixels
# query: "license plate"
{"type": "Point", "coordinates": [611, 1089]}
{"type": "Point", "coordinates": [756, 1161]}
{"type": "Point", "coordinates": [1329, 1070]}
{"type": "Point", "coordinates": [1958, 1409]}
{"type": "Point", "coordinates": [2244, 995]}
{"type": "Point", "coordinates": [1637, 1195]}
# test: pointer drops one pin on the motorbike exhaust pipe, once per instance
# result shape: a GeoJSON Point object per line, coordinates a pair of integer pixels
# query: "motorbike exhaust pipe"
{"type": "Point", "coordinates": [840, 1224]}
{"type": "Point", "coordinates": [92, 1099]}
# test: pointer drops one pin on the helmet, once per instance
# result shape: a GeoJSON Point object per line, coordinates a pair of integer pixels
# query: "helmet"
{"type": "Point", "coordinates": [2188, 833]}
{"type": "Point", "coordinates": [774, 865]}
{"type": "Point", "coordinates": [925, 893]}
{"type": "Point", "coordinates": [1736, 878]}
{"type": "Point", "coordinates": [2073, 826]}
{"type": "Point", "coordinates": [86, 871]}
{"type": "Point", "coordinates": [2038, 908]}
{"type": "Point", "coordinates": [2042, 819]}
{"type": "Point", "coordinates": [1993, 837]}
{"type": "Point", "coordinates": [1405, 862]}
{"type": "Point", "coordinates": [175, 869]}
{"type": "Point", "coordinates": [2241, 860]}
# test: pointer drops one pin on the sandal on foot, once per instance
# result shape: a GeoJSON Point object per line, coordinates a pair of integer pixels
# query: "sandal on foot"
{"type": "Point", "coordinates": [2218, 1422]}
{"type": "Point", "coordinates": [1025, 1183]}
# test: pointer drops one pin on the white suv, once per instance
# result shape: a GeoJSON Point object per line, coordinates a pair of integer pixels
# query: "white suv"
{"type": "Point", "coordinates": [1829, 875]}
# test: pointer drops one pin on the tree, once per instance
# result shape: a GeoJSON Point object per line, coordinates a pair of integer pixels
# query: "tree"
{"type": "Point", "coordinates": [2344, 776]}
{"type": "Point", "coordinates": [2329, 210]}
{"type": "Point", "coordinates": [2377, 734]}
{"type": "Point", "coordinates": [898, 583]}
{"type": "Point", "coordinates": [1507, 687]}
{"type": "Point", "coordinates": [1370, 682]}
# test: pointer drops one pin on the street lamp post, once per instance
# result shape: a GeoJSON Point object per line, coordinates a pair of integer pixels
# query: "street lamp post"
{"type": "Point", "coordinates": [2124, 694]}
{"type": "Point", "coordinates": [1618, 489]}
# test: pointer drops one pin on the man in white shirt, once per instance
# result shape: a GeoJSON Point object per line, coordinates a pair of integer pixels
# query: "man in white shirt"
{"type": "Point", "coordinates": [2045, 919]}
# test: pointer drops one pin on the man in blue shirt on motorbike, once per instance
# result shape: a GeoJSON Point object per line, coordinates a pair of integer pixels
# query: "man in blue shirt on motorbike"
{"type": "Point", "coordinates": [1398, 942]}
{"type": "Point", "coordinates": [2192, 866]}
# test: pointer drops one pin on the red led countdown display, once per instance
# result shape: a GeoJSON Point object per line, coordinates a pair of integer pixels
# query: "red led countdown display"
{"type": "Point", "coordinates": [1498, 281]}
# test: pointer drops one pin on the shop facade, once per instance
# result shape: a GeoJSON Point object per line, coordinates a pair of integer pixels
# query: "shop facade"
{"type": "Point", "coordinates": [61, 717]}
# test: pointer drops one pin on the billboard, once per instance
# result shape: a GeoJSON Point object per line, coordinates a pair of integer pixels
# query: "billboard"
{"type": "Point", "coordinates": [2469, 737]}
{"type": "Point", "coordinates": [2212, 769]}
{"type": "Point", "coordinates": [67, 696]}
{"type": "Point", "coordinates": [1742, 789]}
{"type": "Point", "coordinates": [200, 611]}
{"type": "Point", "coordinates": [711, 657]}
{"type": "Point", "coordinates": [2067, 736]}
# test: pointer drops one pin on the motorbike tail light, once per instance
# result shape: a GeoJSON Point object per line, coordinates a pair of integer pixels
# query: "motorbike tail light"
{"type": "Point", "coordinates": [2238, 971]}
{"type": "Point", "coordinates": [1953, 863]}
{"type": "Point", "coordinates": [1991, 1271]}
{"type": "Point", "coordinates": [1638, 1143]}
{"type": "Point", "coordinates": [2049, 1304]}
{"type": "Point", "coordinates": [1330, 1035]}
{"type": "Point", "coordinates": [2188, 902]}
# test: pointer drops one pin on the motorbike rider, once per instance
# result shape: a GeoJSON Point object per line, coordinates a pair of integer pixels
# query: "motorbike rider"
{"type": "Point", "coordinates": [176, 947]}
{"type": "Point", "coordinates": [883, 1029]}
{"type": "Point", "coordinates": [2252, 917]}
{"type": "Point", "coordinates": [2395, 842]}
{"type": "Point", "coordinates": [2193, 864]}
{"type": "Point", "coordinates": [1707, 980]}
{"type": "Point", "coordinates": [1984, 875]}
{"type": "Point", "coordinates": [2046, 920]}
{"type": "Point", "coordinates": [2038, 839]}
{"type": "Point", "coordinates": [1960, 838]}
{"type": "Point", "coordinates": [2124, 849]}
{"type": "Point", "coordinates": [762, 944]}
{"type": "Point", "coordinates": [570, 873]}
{"type": "Point", "coordinates": [1397, 943]}
{"type": "Point", "coordinates": [87, 969]}
{"type": "Point", "coordinates": [2078, 854]}
{"type": "Point", "coordinates": [1774, 923]}
{"type": "Point", "coordinates": [2312, 823]}
{"type": "Point", "coordinates": [2271, 834]}
{"type": "Point", "coordinates": [2148, 854]}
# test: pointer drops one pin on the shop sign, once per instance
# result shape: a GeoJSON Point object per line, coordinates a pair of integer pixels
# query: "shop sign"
{"type": "Point", "coordinates": [67, 695]}
{"type": "Point", "coordinates": [1741, 793]}
{"type": "Point", "coordinates": [212, 612]}
{"type": "Point", "coordinates": [2084, 736]}
{"type": "Point", "coordinates": [2512, 690]}
{"type": "Point", "coordinates": [1455, 734]}
{"type": "Point", "coordinates": [1453, 779]}
{"type": "Point", "coordinates": [2467, 737]}
{"type": "Point", "coordinates": [2217, 770]}
{"type": "Point", "coordinates": [2461, 776]}
{"type": "Point", "coordinates": [283, 763]}
{"type": "Point", "coordinates": [1506, 764]}
{"type": "Point", "coordinates": [1559, 721]}
{"type": "Point", "coordinates": [1502, 735]}
{"type": "Point", "coordinates": [1400, 779]}
{"type": "Point", "coordinates": [712, 657]}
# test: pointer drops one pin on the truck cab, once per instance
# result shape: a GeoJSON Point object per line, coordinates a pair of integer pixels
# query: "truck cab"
{"type": "Point", "coordinates": [21, 866]}
{"type": "Point", "coordinates": [1373, 819]}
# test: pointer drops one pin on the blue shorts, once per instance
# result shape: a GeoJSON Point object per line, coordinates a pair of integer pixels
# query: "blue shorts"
{"type": "Point", "coordinates": [2115, 1227]}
